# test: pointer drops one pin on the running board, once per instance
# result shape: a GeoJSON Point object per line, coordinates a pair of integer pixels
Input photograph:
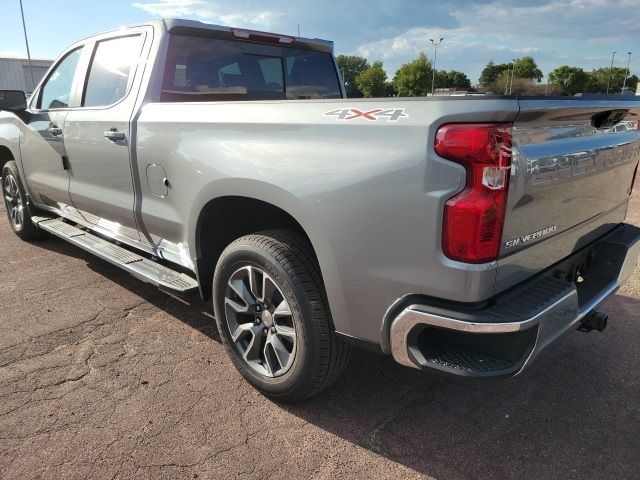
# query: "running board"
{"type": "Point", "coordinates": [140, 267]}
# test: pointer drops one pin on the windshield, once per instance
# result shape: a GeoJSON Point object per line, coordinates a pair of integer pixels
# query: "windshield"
{"type": "Point", "coordinates": [207, 69]}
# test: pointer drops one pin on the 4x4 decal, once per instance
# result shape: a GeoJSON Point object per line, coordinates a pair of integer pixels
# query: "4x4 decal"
{"type": "Point", "coordinates": [386, 114]}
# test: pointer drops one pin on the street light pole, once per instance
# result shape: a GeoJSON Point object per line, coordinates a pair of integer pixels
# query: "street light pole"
{"type": "Point", "coordinates": [610, 71]}
{"type": "Point", "coordinates": [626, 73]}
{"type": "Point", "coordinates": [26, 41]}
{"type": "Point", "coordinates": [506, 83]}
{"type": "Point", "coordinates": [435, 58]}
{"type": "Point", "coordinates": [546, 89]}
{"type": "Point", "coordinates": [513, 70]}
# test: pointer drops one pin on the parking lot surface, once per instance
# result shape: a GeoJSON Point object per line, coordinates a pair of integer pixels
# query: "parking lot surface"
{"type": "Point", "coordinates": [103, 376]}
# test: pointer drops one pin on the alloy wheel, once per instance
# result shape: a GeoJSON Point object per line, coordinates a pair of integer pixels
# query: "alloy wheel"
{"type": "Point", "coordinates": [13, 202]}
{"type": "Point", "coordinates": [260, 321]}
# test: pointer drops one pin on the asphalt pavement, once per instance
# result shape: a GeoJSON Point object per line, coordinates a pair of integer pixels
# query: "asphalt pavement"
{"type": "Point", "coordinates": [103, 376]}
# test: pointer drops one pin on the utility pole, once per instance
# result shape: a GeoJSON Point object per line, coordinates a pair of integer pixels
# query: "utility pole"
{"type": "Point", "coordinates": [435, 58]}
{"type": "Point", "coordinates": [298, 30]}
{"type": "Point", "coordinates": [610, 71]}
{"type": "Point", "coordinates": [26, 41]}
{"type": "Point", "coordinates": [626, 73]}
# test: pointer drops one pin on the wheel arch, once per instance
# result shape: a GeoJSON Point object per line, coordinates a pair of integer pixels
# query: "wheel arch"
{"type": "Point", "coordinates": [234, 213]}
{"type": "Point", "coordinates": [6, 155]}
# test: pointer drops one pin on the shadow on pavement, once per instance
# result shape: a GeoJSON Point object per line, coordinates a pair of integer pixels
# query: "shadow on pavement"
{"type": "Point", "coordinates": [188, 308]}
{"type": "Point", "coordinates": [574, 414]}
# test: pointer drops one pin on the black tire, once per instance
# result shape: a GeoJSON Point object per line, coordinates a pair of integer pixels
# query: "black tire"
{"type": "Point", "coordinates": [25, 229]}
{"type": "Point", "coordinates": [320, 356]}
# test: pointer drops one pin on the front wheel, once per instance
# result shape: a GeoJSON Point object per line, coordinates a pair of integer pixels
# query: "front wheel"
{"type": "Point", "coordinates": [15, 202]}
{"type": "Point", "coordinates": [273, 317]}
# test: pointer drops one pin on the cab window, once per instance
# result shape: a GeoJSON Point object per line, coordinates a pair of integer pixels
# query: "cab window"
{"type": "Point", "coordinates": [200, 69]}
{"type": "Point", "coordinates": [112, 67]}
{"type": "Point", "coordinates": [56, 91]}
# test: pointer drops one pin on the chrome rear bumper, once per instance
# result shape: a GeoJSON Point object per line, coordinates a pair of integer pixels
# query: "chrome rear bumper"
{"type": "Point", "coordinates": [503, 338]}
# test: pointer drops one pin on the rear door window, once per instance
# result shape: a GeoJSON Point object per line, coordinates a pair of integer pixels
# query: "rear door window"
{"type": "Point", "coordinates": [207, 69]}
{"type": "Point", "coordinates": [111, 70]}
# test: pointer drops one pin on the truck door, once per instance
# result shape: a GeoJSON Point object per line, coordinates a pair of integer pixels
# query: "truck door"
{"type": "Point", "coordinates": [98, 134]}
{"type": "Point", "coordinates": [42, 146]}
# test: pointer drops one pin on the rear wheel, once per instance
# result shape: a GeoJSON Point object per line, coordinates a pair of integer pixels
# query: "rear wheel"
{"type": "Point", "coordinates": [15, 202]}
{"type": "Point", "coordinates": [273, 316]}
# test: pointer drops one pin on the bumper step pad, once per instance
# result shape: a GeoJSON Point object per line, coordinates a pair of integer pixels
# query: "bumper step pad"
{"type": "Point", "coordinates": [141, 267]}
{"type": "Point", "coordinates": [460, 360]}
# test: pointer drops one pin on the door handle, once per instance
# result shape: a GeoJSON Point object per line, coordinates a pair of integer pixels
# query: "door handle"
{"type": "Point", "coordinates": [55, 131]}
{"type": "Point", "coordinates": [114, 135]}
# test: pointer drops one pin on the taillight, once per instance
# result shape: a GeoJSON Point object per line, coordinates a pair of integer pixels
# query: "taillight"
{"type": "Point", "coordinates": [473, 219]}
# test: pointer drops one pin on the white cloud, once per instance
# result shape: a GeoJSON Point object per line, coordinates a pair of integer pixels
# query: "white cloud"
{"type": "Point", "coordinates": [210, 11]}
{"type": "Point", "coordinates": [555, 32]}
{"type": "Point", "coordinates": [587, 20]}
{"type": "Point", "coordinates": [500, 31]}
{"type": "Point", "coordinates": [459, 50]}
{"type": "Point", "coordinates": [171, 8]}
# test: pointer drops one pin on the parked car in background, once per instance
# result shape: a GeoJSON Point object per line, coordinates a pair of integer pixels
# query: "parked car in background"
{"type": "Point", "coordinates": [625, 126]}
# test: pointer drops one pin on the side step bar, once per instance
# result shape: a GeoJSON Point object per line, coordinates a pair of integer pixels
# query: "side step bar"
{"type": "Point", "coordinates": [140, 267]}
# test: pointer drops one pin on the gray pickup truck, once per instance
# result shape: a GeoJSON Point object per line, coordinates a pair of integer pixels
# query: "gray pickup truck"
{"type": "Point", "coordinates": [460, 235]}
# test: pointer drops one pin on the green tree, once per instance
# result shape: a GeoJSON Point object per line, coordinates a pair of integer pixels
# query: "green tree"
{"type": "Point", "coordinates": [371, 82]}
{"type": "Point", "coordinates": [517, 86]}
{"type": "Point", "coordinates": [526, 67]}
{"type": "Point", "coordinates": [390, 90]}
{"type": "Point", "coordinates": [492, 72]}
{"type": "Point", "coordinates": [599, 78]}
{"type": "Point", "coordinates": [452, 79]}
{"type": "Point", "coordinates": [571, 80]}
{"type": "Point", "coordinates": [413, 79]}
{"type": "Point", "coordinates": [351, 66]}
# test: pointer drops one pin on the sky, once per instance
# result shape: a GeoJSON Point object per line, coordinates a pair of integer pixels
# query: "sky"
{"type": "Point", "coordinates": [580, 33]}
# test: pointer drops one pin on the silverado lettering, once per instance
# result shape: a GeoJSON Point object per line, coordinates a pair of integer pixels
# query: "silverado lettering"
{"type": "Point", "coordinates": [562, 167]}
{"type": "Point", "coordinates": [531, 236]}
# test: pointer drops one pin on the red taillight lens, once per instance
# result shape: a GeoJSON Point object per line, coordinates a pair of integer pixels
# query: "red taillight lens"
{"type": "Point", "coordinates": [473, 219]}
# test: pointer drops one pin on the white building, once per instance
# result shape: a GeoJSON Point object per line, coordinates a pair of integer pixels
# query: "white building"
{"type": "Point", "coordinates": [15, 73]}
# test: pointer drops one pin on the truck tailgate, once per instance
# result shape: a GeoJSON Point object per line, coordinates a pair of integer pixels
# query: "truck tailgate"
{"type": "Point", "coordinates": [570, 180]}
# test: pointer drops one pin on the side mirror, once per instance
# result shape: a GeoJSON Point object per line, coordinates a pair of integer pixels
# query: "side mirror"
{"type": "Point", "coordinates": [13, 100]}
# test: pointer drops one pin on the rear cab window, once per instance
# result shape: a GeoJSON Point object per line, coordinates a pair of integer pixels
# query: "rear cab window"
{"type": "Point", "coordinates": [200, 69]}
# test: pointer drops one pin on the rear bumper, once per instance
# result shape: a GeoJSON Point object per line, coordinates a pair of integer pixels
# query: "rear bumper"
{"type": "Point", "coordinates": [501, 339]}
